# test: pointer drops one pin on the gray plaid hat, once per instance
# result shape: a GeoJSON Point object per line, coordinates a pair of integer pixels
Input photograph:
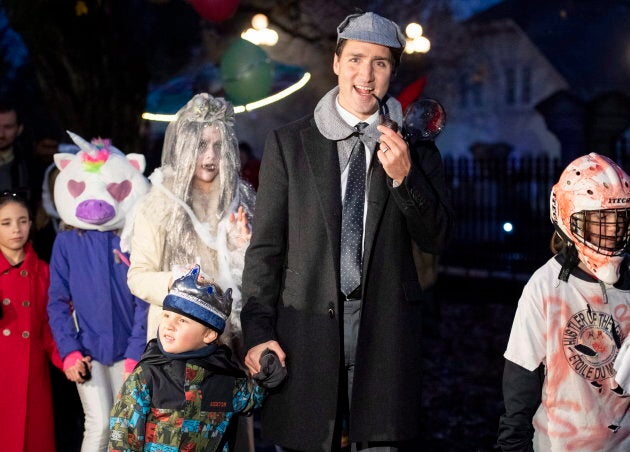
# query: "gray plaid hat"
{"type": "Point", "coordinates": [370, 27]}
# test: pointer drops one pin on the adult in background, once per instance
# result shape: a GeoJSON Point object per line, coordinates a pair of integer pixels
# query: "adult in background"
{"type": "Point", "coordinates": [330, 283]}
{"type": "Point", "coordinates": [13, 165]}
{"type": "Point", "coordinates": [46, 143]}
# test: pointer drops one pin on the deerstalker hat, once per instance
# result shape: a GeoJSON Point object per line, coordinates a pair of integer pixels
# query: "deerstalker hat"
{"type": "Point", "coordinates": [370, 27]}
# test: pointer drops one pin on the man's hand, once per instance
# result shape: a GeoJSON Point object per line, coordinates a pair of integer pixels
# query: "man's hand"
{"type": "Point", "coordinates": [252, 360]}
{"type": "Point", "coordinates": [393, 153]}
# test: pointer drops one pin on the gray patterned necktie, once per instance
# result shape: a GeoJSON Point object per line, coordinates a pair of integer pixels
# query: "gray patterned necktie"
{"type": "Point", "coordinates": [352, 218]}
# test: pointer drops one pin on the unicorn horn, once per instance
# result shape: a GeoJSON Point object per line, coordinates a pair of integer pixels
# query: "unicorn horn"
{"type": "Point", "coordinates": [84, 145]}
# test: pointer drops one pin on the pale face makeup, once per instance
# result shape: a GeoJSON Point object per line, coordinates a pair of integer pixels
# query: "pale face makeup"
{"type": "Point", "coordinates": [208, 159]}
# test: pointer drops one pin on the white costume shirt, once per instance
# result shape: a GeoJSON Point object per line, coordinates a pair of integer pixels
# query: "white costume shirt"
{"type": "Point", "coordinates": [567, 326]}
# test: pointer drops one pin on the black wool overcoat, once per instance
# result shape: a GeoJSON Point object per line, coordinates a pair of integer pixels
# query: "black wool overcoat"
{"type": "Point", "coordinates": [291, 287]}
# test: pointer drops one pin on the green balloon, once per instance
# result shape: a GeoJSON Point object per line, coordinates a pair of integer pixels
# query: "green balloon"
{"type": "Point", "coordinates": [247, 72]}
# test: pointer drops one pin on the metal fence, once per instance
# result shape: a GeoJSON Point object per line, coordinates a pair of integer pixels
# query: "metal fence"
{"type": "Point", "coordinates": [502, 215]}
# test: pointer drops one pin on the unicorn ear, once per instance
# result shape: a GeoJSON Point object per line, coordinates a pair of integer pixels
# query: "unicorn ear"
{"type": "Point", "coordinates": [138, 161]}
{"type": "Point", "coordinates": [63, 159]}
{"type": "Point", "coordinates": [84, 145]}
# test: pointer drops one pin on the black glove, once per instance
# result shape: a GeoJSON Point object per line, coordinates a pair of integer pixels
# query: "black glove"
{"type": "Point", "coordinates": [272, 373]}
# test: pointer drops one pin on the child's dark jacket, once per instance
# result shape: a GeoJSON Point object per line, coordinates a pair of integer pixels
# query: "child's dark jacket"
{"type": "Point", "coordinates": [181, 404]}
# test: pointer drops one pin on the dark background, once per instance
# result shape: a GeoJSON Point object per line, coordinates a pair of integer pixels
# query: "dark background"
{"type": "Point", "coordinates": [89, 66]}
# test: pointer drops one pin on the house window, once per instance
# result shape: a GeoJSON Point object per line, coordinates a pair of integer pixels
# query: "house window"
{"type": "Point", "coordinates": [526, 85]}
{"type": "Point", "coordinates": [463, 89]}
{"type": "Point", "coordinates": [470, 91]}
{"type": "Point", "coordinates": [510, 86]}
{"type": "Point", "coordinates": [518, 85]}
{"type": "Point", "coordinates": [476, 93]}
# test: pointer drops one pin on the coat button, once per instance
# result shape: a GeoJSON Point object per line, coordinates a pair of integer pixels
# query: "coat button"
{"type": "Point", "coordinates": [26, 303]}
{"type": "Point", "coordinates": [331, 310]}
{"type": "Point", "coordinates": [6, 302]}
{"type": "Point", "coordinates": [23, 273]}
{"type": "Point", "coordinates": [6, 332]}
{"type": "Point", "coordinates": [25, 334]}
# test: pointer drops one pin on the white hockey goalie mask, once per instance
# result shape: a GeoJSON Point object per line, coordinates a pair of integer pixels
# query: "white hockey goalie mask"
{"type": "Point", "coordinates": [590, 205]}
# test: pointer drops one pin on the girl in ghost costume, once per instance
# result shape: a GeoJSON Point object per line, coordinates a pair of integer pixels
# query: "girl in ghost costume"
{"type": "Point", "coordinates": [197, 211]}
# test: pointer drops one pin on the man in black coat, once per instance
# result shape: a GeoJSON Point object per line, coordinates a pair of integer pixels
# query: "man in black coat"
{"type": "Point", "coordinates": [352, 353]}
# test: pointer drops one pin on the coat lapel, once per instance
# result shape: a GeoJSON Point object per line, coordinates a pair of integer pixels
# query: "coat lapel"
{"type": "Point", "coordinates": [324, 164]}
{"type": "Point", "coordinates": [377, 196]}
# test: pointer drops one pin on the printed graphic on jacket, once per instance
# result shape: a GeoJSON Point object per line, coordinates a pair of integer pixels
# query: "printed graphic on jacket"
{"type": "Point", "coordinates": [589, 344]}
{"type": "Point", "coordinates": [179, 406]}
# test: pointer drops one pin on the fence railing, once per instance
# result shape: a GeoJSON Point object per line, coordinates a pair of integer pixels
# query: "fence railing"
{"type": "Point", "coordinates": [502, 215]}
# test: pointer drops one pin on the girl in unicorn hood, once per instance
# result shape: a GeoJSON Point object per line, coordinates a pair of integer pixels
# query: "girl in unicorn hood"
{"type": "Point", "coordinates": [98, 325]}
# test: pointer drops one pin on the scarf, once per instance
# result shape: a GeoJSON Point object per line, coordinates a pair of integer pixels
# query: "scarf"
{"type": "Point", "coordinates": [333, 127]}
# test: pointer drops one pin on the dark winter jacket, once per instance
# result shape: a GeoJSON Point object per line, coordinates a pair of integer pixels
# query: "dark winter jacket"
{"type": "Point", "coordinates": [178, 404]}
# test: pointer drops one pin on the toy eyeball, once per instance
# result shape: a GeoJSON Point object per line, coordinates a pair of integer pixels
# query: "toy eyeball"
{"type": "Point", "coordinates": [424, 120]}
